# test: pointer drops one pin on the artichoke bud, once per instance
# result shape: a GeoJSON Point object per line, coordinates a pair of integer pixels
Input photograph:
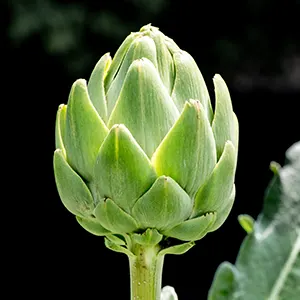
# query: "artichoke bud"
{"type": "Point", "coordinates": [140, 154]}
{"type": "Point", "coordinates": [118, 59]}
{"type": "Point", "coordinates": [141, 47]}
{"type": "Point", "coordinates": [144, 106]}
{"type": "Point", "coordinates": [96, 87]}
{"type": "Point", "coordinates": [189, 83]}
{"type": "Point", "coordinates": [165, 62]}
{"type": "Point", "coordinates": [84, 132]}
{"type": "Point", "coordinates": [60, 128]}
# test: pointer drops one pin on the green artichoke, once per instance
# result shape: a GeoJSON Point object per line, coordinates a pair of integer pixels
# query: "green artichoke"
{"type": "Point", "coordinates": [140, 151]}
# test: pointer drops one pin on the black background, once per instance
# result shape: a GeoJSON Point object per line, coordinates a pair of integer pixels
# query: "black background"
{"type": "Point", "coordinates": [49, 254]}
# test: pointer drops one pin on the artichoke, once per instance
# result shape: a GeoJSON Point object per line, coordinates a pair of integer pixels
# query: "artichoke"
{"type": "Point", "coordinates": [140, 152]}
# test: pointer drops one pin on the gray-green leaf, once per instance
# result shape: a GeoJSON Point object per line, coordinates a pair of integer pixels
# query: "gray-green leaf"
{"type": "Point", "coordinates": [168, 293]}
{"type": "Point", "coordinates": [268, 264]}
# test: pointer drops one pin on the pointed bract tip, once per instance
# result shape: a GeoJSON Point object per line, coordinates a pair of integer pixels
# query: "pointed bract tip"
{"type": "Point", "coordinates": [80, 82]}
{"type": "Point", "coordinates": [229, 144]}
{"type": "Point", "coordinates": [142, 38]}
{"type": "Point", "coordinates": [140, 63]}
{"type": "Point", "coordinates": [108, 59]}
{"type": "Point", "coordinates": [196, 104]}
{"type": "Point", "coordinates": [165, 178]}
{"type": "Point", "coordinates": [217, 77]}
{"type": "Point", "coordinates": [182, 56]}
{"type": "Point", "coordinates": [148, 27]}
{"type": "Point", "coordinates": [115, 126]}
{"type": "Point", "coordinates": [61, 106]}
{"type": "Point", "coordinates": [145, 27]}
{"type": "Point", "coordinates": [58, 151]}
{"type": "Point", "coordinates": [119, 127]}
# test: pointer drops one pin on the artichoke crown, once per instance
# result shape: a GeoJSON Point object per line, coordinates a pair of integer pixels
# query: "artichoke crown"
{"type": "Point", "coordinates": [140, 150]}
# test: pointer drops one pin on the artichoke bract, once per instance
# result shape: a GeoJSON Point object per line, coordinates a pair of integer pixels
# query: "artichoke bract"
{"type": "Point", "coordinates": [140, 152]}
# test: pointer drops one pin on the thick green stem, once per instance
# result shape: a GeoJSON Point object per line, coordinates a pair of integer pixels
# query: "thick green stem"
{"type": "Point", "coordinates": [145, 273]}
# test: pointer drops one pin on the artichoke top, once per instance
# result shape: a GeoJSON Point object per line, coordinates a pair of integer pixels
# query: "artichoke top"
{"type": "Point", "coordinates": [171, 62]}
{"type": "Point", "coordinates": [140, 147]}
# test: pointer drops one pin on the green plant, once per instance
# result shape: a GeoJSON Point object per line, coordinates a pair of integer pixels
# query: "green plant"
{"type": "Point", "coordinates": [142, 159]}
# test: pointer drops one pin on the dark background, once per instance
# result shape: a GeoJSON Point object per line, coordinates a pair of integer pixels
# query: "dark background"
{"type": "Point", "coordinates": [48, 44]}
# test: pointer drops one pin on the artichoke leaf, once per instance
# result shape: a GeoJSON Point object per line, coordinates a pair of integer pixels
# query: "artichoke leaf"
{"type": "Point", "coordinates": [225, 124]}
{"type": "Point", "coordinates": [72, 190]}
{"type": "Point", "coordinates": [144, 106]}
{"type": "Point", "coordinates": [113, 217]}
{"type": "Point", "coordinates": [60, 127]}
{"type": "Point", "coordinates": [150, 237]}
{"type": "Point", "coordinates": [187, 153]}
{"type": "Point", "coordinates": [223, 212]}
{"type": "Point", "coordinates": [123, 172]}
{"type": "Point", "coordinates": [85, 131]}
{"type": "Point", "coordinates": [213, 195]}
{"type": "Point", "coordinates": [165, 62]}
{"type": "Point", "coordinates": [163, 206]}
{"type": "Point", "coordinates": [192, 229]}
{"type": "Point", "coordinates": [189, 83]}
{"type": "Point", "coordinates": [92, 226]}
{"type": "Point", "coordinates": [177, 249]}
{"type": "Point", "coordinates": [118, 59]}
{"type": "Point", "coordinates": [141, 47]}
{"type": "Point", "coordinates": [96, 86]}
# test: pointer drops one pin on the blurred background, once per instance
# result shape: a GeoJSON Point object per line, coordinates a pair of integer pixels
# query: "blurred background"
{"type": "Point", "coordinates": [48, 44]}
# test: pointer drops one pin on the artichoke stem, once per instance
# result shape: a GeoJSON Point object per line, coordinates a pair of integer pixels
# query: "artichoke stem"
{"type": "Point", "coordinates": [145, 272]}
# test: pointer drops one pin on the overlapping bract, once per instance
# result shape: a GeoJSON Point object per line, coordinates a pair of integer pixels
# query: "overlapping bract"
{"type": "Point", "coordinates": [139, 145]}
